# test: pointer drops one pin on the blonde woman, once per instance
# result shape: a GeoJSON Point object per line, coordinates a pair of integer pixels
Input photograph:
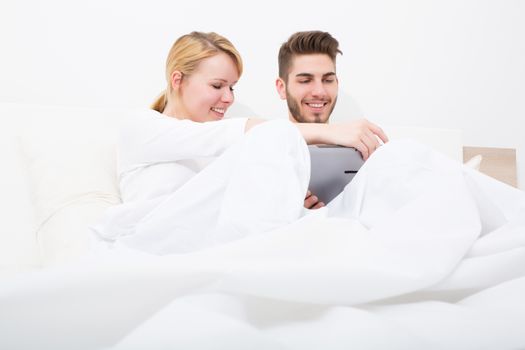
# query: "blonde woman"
{"type": "Point", "coordinates": [190, 179]}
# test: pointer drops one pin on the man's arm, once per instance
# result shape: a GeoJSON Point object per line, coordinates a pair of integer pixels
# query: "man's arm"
{"type": "Point", "coordinates": [361, 134]}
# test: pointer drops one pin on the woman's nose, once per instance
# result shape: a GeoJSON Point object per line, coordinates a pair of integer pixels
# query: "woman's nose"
{"type": "Point", "coordinates": [227, 96]}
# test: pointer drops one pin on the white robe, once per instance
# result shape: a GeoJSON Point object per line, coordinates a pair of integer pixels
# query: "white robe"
{"type": "Point", "coordinates": [188, 185]}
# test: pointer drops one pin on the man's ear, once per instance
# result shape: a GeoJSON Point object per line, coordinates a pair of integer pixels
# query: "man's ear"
{"type": "Point", "coordinates": [281, 88]}
{"type": "Point", "coordinates": [176, 79]}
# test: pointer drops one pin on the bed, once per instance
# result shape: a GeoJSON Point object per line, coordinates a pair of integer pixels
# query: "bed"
{"type": "Point", "coordinates": [431, 276]}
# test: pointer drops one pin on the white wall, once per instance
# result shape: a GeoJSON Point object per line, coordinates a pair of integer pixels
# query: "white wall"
{"type": "Point", "coordinates": [447, 64]}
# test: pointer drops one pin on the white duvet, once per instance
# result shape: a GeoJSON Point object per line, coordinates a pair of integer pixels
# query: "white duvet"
{"type": "Point", "coordinates": [417, 253]}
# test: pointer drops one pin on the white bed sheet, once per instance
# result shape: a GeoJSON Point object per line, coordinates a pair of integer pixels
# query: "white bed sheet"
{"type": "Point", "coordinates": [425, 255]}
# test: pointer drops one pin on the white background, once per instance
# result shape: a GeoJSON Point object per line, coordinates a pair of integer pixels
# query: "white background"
{"type": "Point", "coordinates": [445, 64]}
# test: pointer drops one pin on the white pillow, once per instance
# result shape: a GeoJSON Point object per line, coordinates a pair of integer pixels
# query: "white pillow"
{"type": "Point", "coordinates": [70, 157]}
{"type": "Point", "coordinates": [18, 248]}
{"type": "Point", "coordinates": [447, 141]}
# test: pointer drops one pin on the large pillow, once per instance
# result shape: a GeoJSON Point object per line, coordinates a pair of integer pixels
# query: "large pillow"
{"type": "Point", "coordinates": [18, 248]}
{"type": "Point", "coordinates": [70, 159]}
{"type": "Point", "coordinates": [447, 141]}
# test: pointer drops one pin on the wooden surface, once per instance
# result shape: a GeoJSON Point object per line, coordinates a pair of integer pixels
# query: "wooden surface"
{"type": "Point", "coordinates": [499, 163]}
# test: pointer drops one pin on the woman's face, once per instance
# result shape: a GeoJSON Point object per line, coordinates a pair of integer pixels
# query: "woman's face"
{"type": "Point", "coordinates": [206, 94]}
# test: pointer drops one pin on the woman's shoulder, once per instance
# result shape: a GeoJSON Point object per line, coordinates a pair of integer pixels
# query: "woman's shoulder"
{"type": "Point", "coordinates": [138, 122]}
{"type": "Point", "coordinates": [150, 123]}
{"type": "Point", "coordinates": [144, 116]}
{"type": "Point", "coordinates": [143, 119]}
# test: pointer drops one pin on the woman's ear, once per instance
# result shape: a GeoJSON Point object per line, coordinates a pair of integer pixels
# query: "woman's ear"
{"type": "Point", "coordinates": [281, 88]}
{"type": "Point", "coordinates": [176, 79]}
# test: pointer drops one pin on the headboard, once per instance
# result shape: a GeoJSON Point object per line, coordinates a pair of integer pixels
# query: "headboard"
{"type": "Point", "coordinates": [499, 163]}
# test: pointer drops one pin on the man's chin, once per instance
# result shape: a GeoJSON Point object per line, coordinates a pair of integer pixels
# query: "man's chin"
{"type": "Point", "coordinates": [308, 117]}
{"type": "Point", "coordinates": [316, 118]}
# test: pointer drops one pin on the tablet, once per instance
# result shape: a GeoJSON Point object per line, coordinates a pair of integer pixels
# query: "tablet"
{"type": "Point", "coordinates": [332, 168]}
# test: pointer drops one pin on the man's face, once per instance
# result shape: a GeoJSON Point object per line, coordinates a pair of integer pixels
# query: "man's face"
{"type": "Point", "coordinates": [311, 91]}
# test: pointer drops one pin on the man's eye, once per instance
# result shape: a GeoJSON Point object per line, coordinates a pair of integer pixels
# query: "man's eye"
{"type": "Point", "coordinates": [304, 81]}
{"type": "Point", "coordinates": [231, 88]}
{"type": "Point", "coordinates": [329, 80]}
{"type": "Point", "coordinates": [216, 87]}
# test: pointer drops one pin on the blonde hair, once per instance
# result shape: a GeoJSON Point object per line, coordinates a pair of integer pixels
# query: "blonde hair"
{"type": "Point", "coordinates": [186, 54]}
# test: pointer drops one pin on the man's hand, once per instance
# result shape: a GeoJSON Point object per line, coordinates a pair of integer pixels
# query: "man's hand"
{"type": "Point", "coordinates": [361, 134]}
{"type": "Point", "coordinates": [312, 202]}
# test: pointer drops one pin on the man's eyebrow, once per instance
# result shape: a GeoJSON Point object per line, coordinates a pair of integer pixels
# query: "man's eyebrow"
{"type": "Point", "coordinates": [306, 75]}
{"type": "Point", "coordinates": [310, 75]}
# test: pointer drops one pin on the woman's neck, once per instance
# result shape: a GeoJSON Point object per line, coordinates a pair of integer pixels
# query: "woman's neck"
{"type": "Point", "coordinates": [173, 110]}
{"type": "Point", "coordinates": [170, 110]}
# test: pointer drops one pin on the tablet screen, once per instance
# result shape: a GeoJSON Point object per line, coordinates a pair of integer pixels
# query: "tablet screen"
{"type": "Point", "coordinates": [332, 168]}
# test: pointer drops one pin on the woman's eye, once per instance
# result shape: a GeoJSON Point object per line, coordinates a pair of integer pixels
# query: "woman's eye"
{"type": "Point", "coordinates": [216, 87]}
{"type": "Point", "coordinates": [231, 88]}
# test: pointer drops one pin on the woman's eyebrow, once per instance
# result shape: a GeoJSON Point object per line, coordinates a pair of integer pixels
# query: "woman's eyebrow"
{"type": "Point", "coordinates": [225, 80]}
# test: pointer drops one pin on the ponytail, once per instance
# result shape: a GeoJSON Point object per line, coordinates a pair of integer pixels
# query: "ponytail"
{"type": "Point", "coordinates": [160, 103]}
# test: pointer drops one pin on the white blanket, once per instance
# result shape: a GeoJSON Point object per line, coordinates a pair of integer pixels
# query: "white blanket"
{"type": "Point", "coordinates": [417, 253]}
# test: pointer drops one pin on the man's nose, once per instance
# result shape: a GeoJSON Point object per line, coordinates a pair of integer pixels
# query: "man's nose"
{"type": "Point", "coordinates": [319, 89]}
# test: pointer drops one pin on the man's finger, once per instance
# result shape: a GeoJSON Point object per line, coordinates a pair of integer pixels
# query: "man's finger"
{"type": "Point", "coordinates": [310, 201]}
{"type": "Point", "coordinates": [319, 205]}
{"type": "Point", "coordinates": [379, 132]}
{"type": "Point", "coordinates": [361, 147]}
{"type": "Point", "coordinates": [371, 141]}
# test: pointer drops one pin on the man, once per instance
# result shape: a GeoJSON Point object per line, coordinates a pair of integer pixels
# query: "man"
{"type": "Point", "coordinates": [308, 82]}
{"type": "Point", "coordinates": [307, 77]}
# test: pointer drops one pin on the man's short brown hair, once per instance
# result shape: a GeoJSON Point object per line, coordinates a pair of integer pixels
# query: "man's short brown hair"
{"type": "Point", "coordinates": [304, 43]}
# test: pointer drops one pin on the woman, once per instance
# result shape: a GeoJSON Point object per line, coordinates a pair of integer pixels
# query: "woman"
{"type": "Point", "coordinates": [175, 199]}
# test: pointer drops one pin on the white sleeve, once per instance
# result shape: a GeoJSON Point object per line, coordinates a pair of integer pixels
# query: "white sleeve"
{"type": "Point", "coordinates": [155, 138]}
